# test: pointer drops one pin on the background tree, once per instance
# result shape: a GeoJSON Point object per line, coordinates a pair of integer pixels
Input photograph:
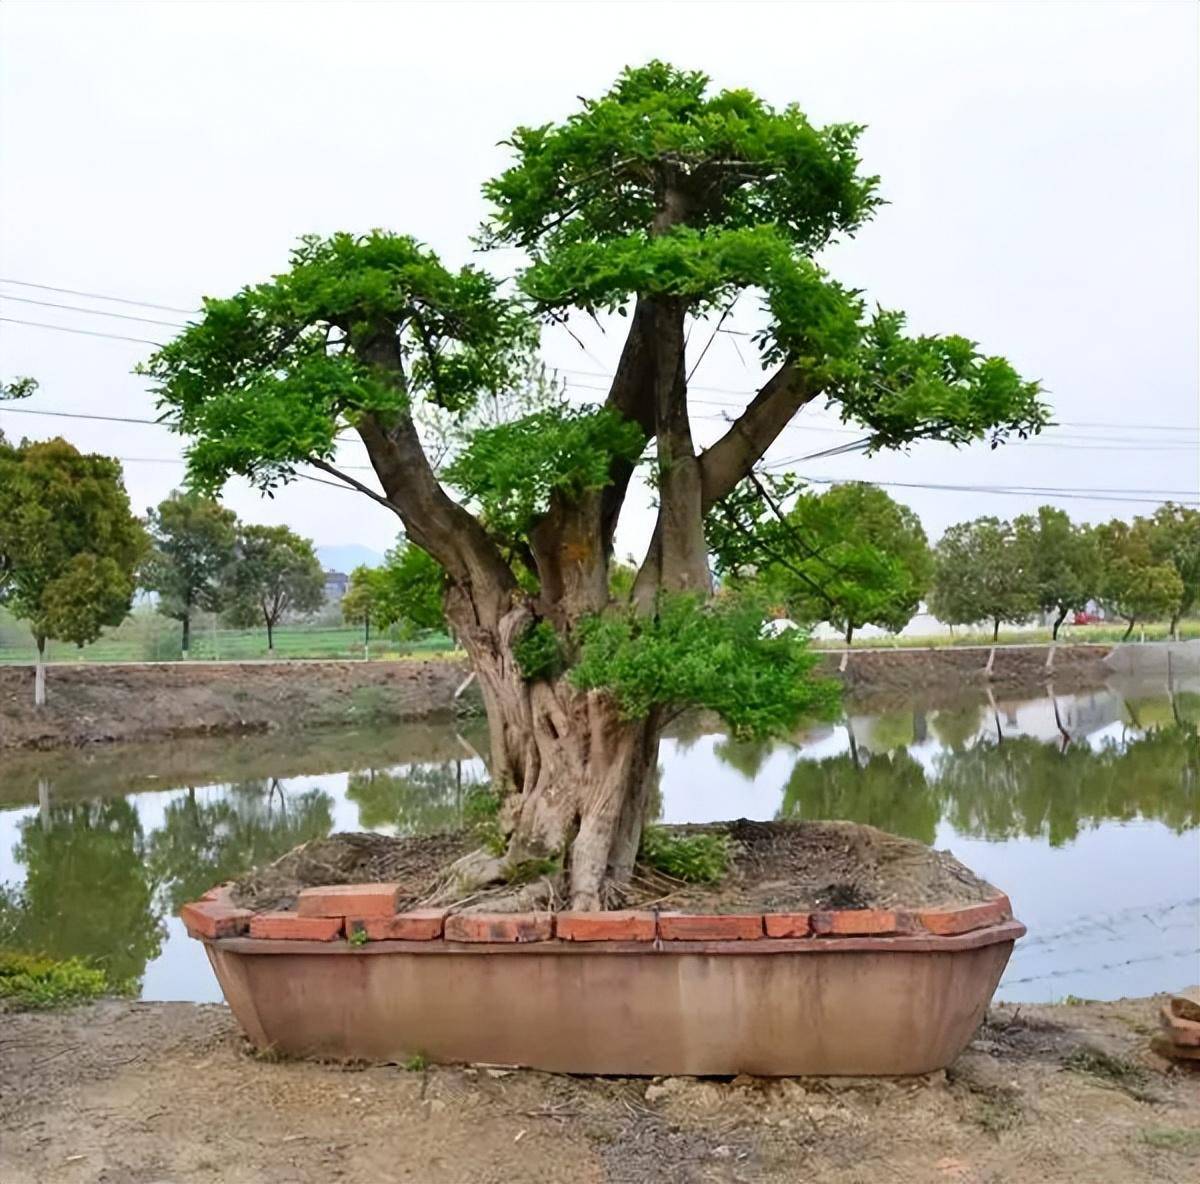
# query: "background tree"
{"type": "Point", "coordinates": [275, 572]}
{"type": "Point", "coordinates": [360, 602]}
{"type": "Point", "coordinates": [662, 201]}
{"type": "Point", "coordinates": [69, 545]}
{"type": "Point", "coordinates": [1175, 539]}
{"type": "Point", "coordinates": [981, 573]}
{"type": "Point", "coordinates": [1063, 560]}
{"type": "Point", "coordinates": [1135, 584]}
{"type": "Point", "coordinates": [194, 540]}
{"type": "Point", "coordinates": [851, 556]}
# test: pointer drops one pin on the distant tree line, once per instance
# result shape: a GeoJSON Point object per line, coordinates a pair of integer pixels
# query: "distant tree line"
{"type": "Point", "coordinates": [852, 556]}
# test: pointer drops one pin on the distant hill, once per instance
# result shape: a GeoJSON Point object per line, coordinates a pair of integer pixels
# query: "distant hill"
{"type": "Point", "coordinates": [347, 556]}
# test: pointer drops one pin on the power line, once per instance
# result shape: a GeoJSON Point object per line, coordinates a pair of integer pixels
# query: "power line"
{"type": "Point", "coordinates": [85, 332]}
{"type": "Point", "coordinates": [94, 312]}
{"type": "Point", "coordinates": [100, 296]}
{"type": "Point", "coordinates": [1101, 495]}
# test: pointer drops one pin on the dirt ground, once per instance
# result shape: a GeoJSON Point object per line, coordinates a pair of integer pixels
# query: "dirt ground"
{"type": "Point", "coordinates": [773, 866]}
{"type": "Point", "coordinates": [95, 703]}
{"type": "Point", "coordinates": [166, 1093]}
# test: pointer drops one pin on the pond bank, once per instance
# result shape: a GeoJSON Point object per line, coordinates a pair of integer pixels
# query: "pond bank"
{"type": "Point", "coordinates": [95, 703]}
{"type": "Point", "coordinates": [167, 1091]}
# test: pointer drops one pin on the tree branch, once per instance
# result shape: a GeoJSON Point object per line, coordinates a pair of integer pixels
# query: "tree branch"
{"type": "Point", "coordinates": [725, 463]}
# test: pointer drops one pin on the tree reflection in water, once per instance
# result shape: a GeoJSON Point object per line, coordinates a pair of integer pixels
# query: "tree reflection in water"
{"type": "Point", "coordinates": [412, 800]}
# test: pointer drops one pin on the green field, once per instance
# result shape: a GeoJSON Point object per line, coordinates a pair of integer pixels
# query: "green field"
{"type": "Point", "coordinates": [147, 637]}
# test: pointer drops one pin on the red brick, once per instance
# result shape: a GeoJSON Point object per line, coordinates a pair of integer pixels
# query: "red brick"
{"type": "Point", "coordinates": [710, 926]}
{"type": "Point", "coordinates": [855, 922]}
{"type": "Point", "coordinates": [419, 925]}
{"type": "Point", "coordinates": [787, 924]}
{"type": "Point", "coordinates": [207, 918]}
{"type": "Point", "coordinates": [293, 927]}
{"type": "Point", "coordinates": [220, 894]}
{"type": "Point", "coordinates": [348, 900]}
{"type": "Point", "coordinates": [962, 918]}
{"type": "Point", "coordinates": [615, 926]}
{"type": "Point", "coordinates": [499, 927]}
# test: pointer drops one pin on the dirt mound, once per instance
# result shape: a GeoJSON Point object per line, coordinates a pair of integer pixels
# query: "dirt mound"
{"type": "Point", "coordinates": [773, 867]}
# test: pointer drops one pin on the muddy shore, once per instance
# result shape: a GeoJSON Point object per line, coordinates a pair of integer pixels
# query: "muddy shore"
{"type": "Point", "coordinates": [132, 1093]}
{"type": "Point", "coordinates": [94, 703]}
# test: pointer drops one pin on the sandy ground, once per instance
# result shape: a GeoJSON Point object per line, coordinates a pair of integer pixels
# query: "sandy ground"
{"type": "Point", "coordinates": [140, 1093]}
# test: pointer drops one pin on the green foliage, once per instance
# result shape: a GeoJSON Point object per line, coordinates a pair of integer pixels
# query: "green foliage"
{"type": "Point", "coordinates": [712, 656]}
{"type": "Point", "coordinates": [275, 572]}
{"type": "Point", "coordinates": [1136, 583]}
{"type": "Point", "coordinates": [30, 982]}
{"type": "Point", "coordinates": [417, 1063]}
{"type": "Point", "coordinates": [538, 652]}
{"type": "Point", "coordinates": [358, 937]}
{"type": "Point", "coordinates": [194, 543]}
{"type": "Point", "coordinates": [358, 324]}
{"type": "Point", "coordinates": [407, 592]}
{"type": "Point", "coordinates": [69, 545]}
{"type": "Point", "coordinates": [512, 470]}
{"type": "Point", "coordinates": [982, 573]}
{"type": "Point", "coordinates": [417, 800]}
{"type": "Point", "coordinates": [697, 858]}
{"type": "Point", "coordinates": [481, 816]}
{"type": "Point", "coordinates": [851, 556]}
{"type": "Point", "coordinates": [529, 870]}
{"type": "Point", "coordinates": [17, 388]}
{"type": "Point", "coordinates": [1175, 539]}
{"type": "Point", "coordinates": [1063, 561]}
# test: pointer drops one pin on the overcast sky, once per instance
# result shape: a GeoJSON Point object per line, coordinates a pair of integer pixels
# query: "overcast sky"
{"type": "Point", "coordinates": [1040, 161]}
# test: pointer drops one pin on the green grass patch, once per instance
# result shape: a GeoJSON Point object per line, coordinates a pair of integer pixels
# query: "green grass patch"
{"type": "Point", "coordinates": [1185, 1140]}
{"type": "Point", "coordinates": [697, 858]}
{"type": "Point", "coordinates": [1113, 1071]}
{"type": "Point", "coordinates": [30, 982]}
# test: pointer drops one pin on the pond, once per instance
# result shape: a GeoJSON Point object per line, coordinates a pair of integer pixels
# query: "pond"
{"type": "Point", "coordinates": [1085, 809]}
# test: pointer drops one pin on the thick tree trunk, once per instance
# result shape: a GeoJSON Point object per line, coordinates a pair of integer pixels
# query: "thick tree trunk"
{"type": "Point", "coordinates": [39, 674]}
{"type": "Point", "coordinates": [574, 775]}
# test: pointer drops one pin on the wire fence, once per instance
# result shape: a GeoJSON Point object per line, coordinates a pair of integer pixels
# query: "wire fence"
{"type": "Point", "coordinates": [146, 636]}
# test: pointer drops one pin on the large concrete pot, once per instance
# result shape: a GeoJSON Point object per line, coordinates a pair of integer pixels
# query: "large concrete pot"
{"type": "Point", "coordinates": [827, 1003]}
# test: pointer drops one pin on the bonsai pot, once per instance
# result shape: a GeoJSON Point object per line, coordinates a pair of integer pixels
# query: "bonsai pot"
{"type": "Point", "coordinates": [850, 992]}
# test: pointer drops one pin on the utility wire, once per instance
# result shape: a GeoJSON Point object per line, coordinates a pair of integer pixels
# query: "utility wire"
{"type": "Point", "coordinates": [100, 296]}
{"type": "Point", "coordinates": [93, 312]}
{"type": "Point", "coordinates": [85, 332]}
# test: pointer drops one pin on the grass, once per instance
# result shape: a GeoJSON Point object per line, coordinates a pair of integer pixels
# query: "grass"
{"type": "Point", "coordinates": [1113, 1071]}
{"type": "Point", "coordinates": [698, 859]}
{"type": "Point", "coordinates": [30, 982]}
{"type": "Point", "coordinates": [1185, 1140]}
{"type": "Point", "coordinates": [147, 637]}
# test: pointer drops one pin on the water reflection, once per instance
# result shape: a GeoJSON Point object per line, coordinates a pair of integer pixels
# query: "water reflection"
{"type": "Point", "coordinates": [1059, 799]}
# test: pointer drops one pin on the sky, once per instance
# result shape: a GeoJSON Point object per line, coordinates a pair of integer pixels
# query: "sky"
{"type": "Point", "coordinates": [1040, 161]}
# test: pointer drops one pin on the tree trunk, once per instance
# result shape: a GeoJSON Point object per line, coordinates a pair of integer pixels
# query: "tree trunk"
{"type": "Point", "coordinates": [575, 776]}
{"type": "Point", "coordinates": [995, 630]}
{"type": "Point", "coordinates": [270, 637]}
{"type": "Point", "coordinates": [1125, 635]}
{"type": "Point", "coordinates": [1062, 616]}
{"type": "Point", "coordinates": [39, 674]}
{"type": "Point", "coordinates": [367, 637]}
{"type": "Point", "coordinates": [1174, 630]}
{"type": "Point", "coordinates": [187, 635]}
{"type": "Point", "coordinates": [849, 635]}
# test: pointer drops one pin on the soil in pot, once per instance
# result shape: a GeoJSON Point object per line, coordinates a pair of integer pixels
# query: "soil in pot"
{"type": "Point", "coordinates": [769, 867]}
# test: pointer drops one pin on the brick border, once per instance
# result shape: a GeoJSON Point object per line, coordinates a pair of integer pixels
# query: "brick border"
{"type": "Point", "coordinates": [357, 914]}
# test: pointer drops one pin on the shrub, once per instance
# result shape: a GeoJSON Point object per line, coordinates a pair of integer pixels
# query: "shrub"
{"type": "Point", "coordinates": [698, 858]}
{"type": "Point", "coordinates": [28, 981]}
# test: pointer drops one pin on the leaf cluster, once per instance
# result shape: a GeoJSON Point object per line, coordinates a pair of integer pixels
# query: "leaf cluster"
{"type": "Point", "coordinates": [408, 590]}
{"type": "Point", "coordinates": [689, 654]}
{"type": "Point", "coordinates": [695, 858]}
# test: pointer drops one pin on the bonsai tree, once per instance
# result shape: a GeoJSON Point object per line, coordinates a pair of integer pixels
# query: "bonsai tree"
{"type": "Point", "coordinates": [276, 572]}
{"type": "Point", "coordinates": [1063, 559]}
{"type": "Point", "coordinates": [69, 544]}
{"type": "Point", "coordinates": [663, 202]}
{"type": "Point", "coordinates": [194, 540]}
{"type": "Point", "coordinates": [851, 556]}
{"type": "Point", "coordinates": [981, 573]}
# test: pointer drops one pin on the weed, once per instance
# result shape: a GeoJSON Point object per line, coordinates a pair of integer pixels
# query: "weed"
{"type": "Point", "coordinates": [1174, 1138]}
{"type": "Point", "coordinates": [1114, 1071]}
{"type": "Point", "coordinates": [699, 859]}
{"type": "Point", "coordinates": [358, 937]}
{"type": "Point", "coordinates": [529, 870]}
{"type": "Point", "coordinates": [416, 1063]}
{"type": "Point", "coordinates": [28, 981]}
{"type": "Point", "coordinates": [999, 1109]}
{"type": "Point", "coordinates": [1075, 1001]}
